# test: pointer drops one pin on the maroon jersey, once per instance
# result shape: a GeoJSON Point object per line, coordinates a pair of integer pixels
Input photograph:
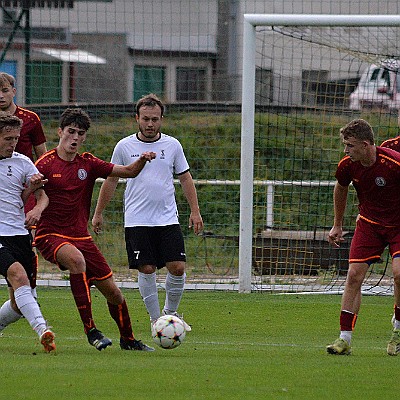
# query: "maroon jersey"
{"type": "Point", "coordinates": [393, 143]}
{"type": "Point", "coordinates": [377, 186]}
{"type": "Point", "coordinates": [31, 132]}
{"type": "Point", "coordinates": [69, 189]}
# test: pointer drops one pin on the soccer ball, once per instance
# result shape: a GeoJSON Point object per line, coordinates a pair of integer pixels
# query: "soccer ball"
{"type": "Point", "coordinates": [168, 332]}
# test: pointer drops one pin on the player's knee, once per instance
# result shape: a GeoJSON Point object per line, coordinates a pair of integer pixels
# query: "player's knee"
{"type": "Point", "coordinates": [176, 268]}
{"type": "Point", "coordinates": [147, 269]}
{"type": "Point", "coordinates": [16, 275]}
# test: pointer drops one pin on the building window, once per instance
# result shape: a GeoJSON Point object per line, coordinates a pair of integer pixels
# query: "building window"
{"type": "Point", "coordinates": [148, 79]}
{"type": "Point", "coordinates": [190, 84]}
{"type": "Point", "coordinates": [313, 86]}
{"type": "Point", "coordinates": [45, 82]}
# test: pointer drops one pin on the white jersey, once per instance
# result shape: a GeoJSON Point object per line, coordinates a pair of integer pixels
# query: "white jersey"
{"type": "Point", "coordinates": [15, 173]}
{"type": "Point", "coordinates": [149, 198]}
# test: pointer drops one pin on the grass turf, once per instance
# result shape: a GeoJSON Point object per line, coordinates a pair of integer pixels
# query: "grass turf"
{"type": "Point", "coordinates": [242, 346]}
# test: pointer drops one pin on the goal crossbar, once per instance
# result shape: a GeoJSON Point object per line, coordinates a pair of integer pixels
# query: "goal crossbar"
{"type": "Point", "coordinates": [251, 21]}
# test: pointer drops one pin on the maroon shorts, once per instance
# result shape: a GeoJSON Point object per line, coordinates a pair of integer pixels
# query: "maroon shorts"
{"type": "Point", "coordinates": [97, 267]}
{"type": "Point", "coordinates": [370, 240]}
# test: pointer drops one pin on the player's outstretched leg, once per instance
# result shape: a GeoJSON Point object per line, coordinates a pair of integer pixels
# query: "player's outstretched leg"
{"type": "Point", "coordinates": [8, 315]}
{"type": "Point", "coordinates": [29, 308]}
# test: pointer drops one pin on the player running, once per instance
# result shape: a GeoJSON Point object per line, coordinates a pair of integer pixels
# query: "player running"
{"type": "Point", "coordinates": [19, 178]}
{"type": "Point", "coordinates": [62, 235]}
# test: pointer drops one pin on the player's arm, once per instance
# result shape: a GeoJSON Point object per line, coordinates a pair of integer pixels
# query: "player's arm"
{"type": "Point", "coordinates": [132, 170]}
{"type": "Point", "coordinates": [105, 195]}
{"type": "Point", "coordinates": [339, 204]}
{"type": "Point", "coordinates": [39, 150]}
{"type": "Point", "coordinates": [36, 186]}
{"type": "Point", "coordinates": [189, 190]}
{"type": "Point", "coordinates": [36, 182]}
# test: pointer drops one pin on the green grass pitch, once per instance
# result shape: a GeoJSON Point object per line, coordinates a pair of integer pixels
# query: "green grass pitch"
{"type": "Point", "coordinates": [242, 346]}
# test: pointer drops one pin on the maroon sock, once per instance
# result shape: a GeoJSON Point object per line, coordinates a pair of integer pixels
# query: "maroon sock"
{"type": "Point", "coordinates": [120, 315]}
{"type": "Point", "coordinates": [81, 292]}
{"type": "Point", "coordinates": [347, 321]}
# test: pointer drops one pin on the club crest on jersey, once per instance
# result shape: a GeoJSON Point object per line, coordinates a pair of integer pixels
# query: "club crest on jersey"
{"type": "Point", "coordinates": [82, 174]}
{"type": "Point", "coordinates": [380, 181]}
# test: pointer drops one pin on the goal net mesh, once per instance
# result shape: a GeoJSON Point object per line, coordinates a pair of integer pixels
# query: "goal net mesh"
{"type": "Point", "coordinates": [304, 78]}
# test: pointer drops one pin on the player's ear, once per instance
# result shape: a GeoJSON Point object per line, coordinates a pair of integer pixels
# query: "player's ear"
{"type": "Point", "coordinates": [59, 132]}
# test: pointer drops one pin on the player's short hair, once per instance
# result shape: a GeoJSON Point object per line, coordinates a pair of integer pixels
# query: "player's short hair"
{"type": "Point", "coordinates": [8, 120]}
{"type": "Point", "coordinates": [358, 129]}
{"type": "Point", "coordinates": [150, 100]}
{"type": "Point", "coordinates": [75, 116]}
{"type": "Point", "coordinates": [6, 79]}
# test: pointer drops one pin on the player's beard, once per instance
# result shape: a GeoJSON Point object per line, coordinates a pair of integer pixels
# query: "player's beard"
{"type": "Point", "coordinates": [153, 135]}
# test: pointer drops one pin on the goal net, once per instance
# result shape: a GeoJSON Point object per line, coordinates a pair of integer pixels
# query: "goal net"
{"type": "Point", "coordinates": [304, 77]}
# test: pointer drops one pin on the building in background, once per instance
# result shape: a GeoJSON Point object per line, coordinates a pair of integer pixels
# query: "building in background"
{"type": "Point", "coordinates": [114, 51]}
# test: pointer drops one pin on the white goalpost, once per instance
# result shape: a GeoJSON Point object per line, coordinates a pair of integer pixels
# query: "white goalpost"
{"type": "Point", "coordinates": [298, 26]}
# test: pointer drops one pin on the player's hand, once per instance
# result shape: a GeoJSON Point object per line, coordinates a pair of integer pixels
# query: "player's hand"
{"type": "Point", "coordinates": [148, 156]}
{"type": "Point", "coordinates": [97, 223]}
{"type": "Point", "coordinates": [37, 181]}
{"type": "Point", "coordinates": [32, 218]}
{"type": "Point", "coordinates": [196, 222]}
{"type": "Point", "coordinates": [335, 236]}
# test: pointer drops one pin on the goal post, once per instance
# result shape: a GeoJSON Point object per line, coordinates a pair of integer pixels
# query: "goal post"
{"type": "Point", "coordinates": [250, 23]}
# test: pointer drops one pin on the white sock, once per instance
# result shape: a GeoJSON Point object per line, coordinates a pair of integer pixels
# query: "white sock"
{"type": "Point", "coordinates": [174, 290]}
{"type": "Point", "coordinates": [396, 324]}
{"type": "Point", "coordinates": [8, 315]}
{"type": "Point", "coordinates": [30, 308]}
{"type": "Point", "coordinates": [148, 291]}
{"type": "Point", "coordinates": [346, 335]}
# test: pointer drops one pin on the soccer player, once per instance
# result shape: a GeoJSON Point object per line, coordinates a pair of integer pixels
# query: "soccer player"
{"type": "Point", "coordinates": [31, 142]}
{"type": "Point", "coordinates": [374, 172]}
{"type": "Point", "coordinates": [32, 138]}
{"type": "Point", "coordinates": [62, 235]}
{"type": "Point", "coordinates": [152, 232]}
{"type": "Point", "coordinates": [19, 178]}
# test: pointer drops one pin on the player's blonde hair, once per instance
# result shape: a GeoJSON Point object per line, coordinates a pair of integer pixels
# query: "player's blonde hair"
{"type": "Point", "coordinates": [6, 79]}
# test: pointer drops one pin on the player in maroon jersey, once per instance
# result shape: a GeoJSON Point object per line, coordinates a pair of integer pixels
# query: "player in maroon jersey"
{"type": "Point", "coordinates": [32, 139]}
{"type": "Point", "coordinates": [374, 172]}
{"type": "Point", "coordinates": [62, 234]}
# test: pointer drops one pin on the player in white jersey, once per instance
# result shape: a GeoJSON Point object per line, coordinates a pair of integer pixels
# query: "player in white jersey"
{"type": "Point", "coordinates": [19, 178]}
{"type": "Point", "coordinates": [152, 232]}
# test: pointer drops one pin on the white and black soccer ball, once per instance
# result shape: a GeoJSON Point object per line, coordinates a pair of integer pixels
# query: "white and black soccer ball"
{"type": "Point", "coordinates": [168, 332]}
